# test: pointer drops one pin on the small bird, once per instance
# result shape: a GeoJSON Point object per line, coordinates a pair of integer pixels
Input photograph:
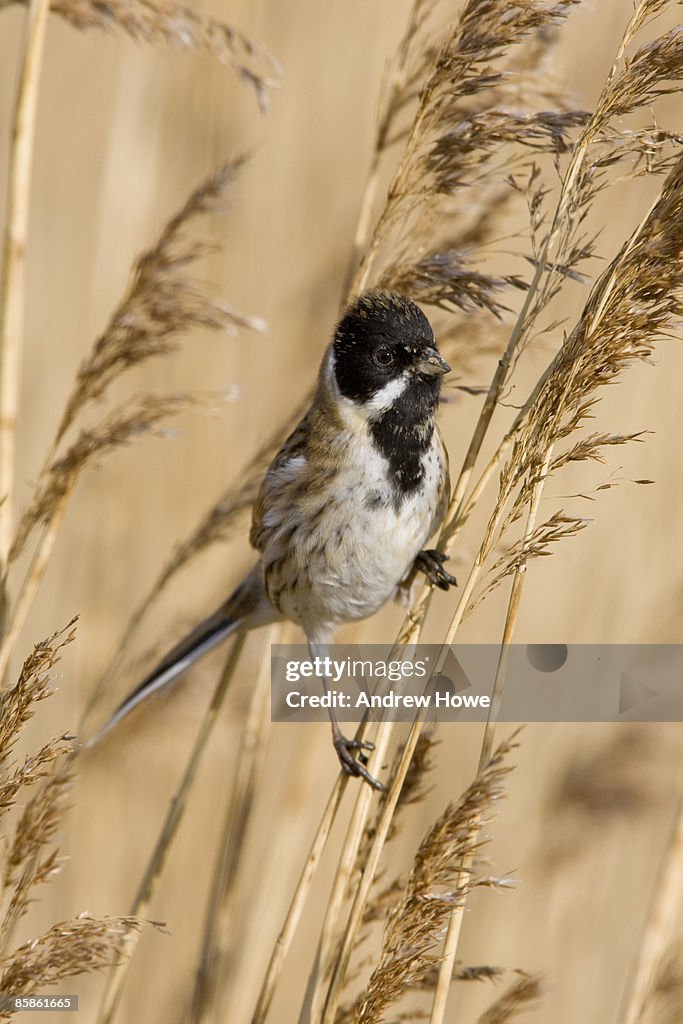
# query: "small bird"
{"type": "Point", "coordinates": [349, 501]}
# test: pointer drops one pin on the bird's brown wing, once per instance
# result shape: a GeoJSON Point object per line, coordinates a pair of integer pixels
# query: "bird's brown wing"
{"type": "Point", "coordinates": [294, 447]}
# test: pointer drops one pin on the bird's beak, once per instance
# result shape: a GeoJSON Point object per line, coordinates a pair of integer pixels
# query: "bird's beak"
{"type": "Point", "coordinates": [432, 364]}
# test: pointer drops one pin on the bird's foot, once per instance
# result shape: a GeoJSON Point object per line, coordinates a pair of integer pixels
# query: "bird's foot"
{"type": "Point", "coordinates": [355, 765]}
{"type": "Point", "coordinates": [431, 564]}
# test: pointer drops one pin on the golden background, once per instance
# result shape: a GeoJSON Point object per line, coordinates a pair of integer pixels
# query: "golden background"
{"type": "Point", "coordinates": [125, 131]}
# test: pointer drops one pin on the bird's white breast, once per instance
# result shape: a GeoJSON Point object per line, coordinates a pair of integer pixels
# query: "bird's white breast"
{"type": "Point", "coordinates": [351, 545]}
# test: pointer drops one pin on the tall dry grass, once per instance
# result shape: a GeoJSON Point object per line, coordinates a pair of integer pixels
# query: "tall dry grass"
{"type": "Point", "coordinates": [489, 187]}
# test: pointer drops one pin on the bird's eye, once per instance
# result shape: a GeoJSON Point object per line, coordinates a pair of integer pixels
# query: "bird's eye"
{"type": "Point", "coordinates": [384, 356]}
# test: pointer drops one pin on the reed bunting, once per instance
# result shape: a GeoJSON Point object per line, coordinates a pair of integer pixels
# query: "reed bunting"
{"type": "Point", "coordinates": [349, 501]}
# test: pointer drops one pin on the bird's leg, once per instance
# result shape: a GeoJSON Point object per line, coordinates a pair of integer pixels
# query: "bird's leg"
{"type": "Point", "coordinates": [431, 564]}
{"type": "Point", "coordinates": [345, 752]}
{"type": "Point", "coordinates": [345, 747]}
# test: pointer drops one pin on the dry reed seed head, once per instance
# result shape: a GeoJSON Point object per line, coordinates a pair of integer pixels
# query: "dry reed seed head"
{"type": "Point", "coordinates": [636, 300]}
{"type": "Point", "coordinates": [33, 685]}
{"type": "Point", "coordinates": [162, 301]}
{"type": "Point", "coordinates": [29, 863]}
{"type": "Point", "coordinates": [465, 82]}
{"type": "Point", "coordinates": [73, 947]}
{"type": "Point", "coordinates": [646, 11]}
{"type": "Point", "coordinates": [34, 768]}
{"type": "Point", "coordinates": [654, 70]}
{"type": "Point", "coordinates": [66, 950]}
{"type": "Point", "coordinates": [517, 999]}
{"type": "Point", "coordinates": [442, 279]}
{"type": "Point", "coordinates": [438, 884]}
{"type": "Point", "coordinates": [39, 820]}
{"type": "Point", "coordinates": [470, 105]}
{"type": "Point", "coordinates": [633, 84]}
{"type": "Point", "coordinates": [538, 544]}
{"type": "Point", "coordinates": [176, 25]}
{"type": "Point", "coordinates": [415, 786]}
{"type": "Point", "coordinates": [143, 415]}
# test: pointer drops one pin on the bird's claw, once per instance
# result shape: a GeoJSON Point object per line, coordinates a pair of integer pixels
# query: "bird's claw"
{"type": "Point", "coordinates": [431, 564]}
{"type": "Point", "coordinates": [352, 765]}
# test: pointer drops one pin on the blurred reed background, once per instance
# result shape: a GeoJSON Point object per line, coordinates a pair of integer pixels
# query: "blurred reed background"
{"type": "Point", "coordinates": [124, 133]}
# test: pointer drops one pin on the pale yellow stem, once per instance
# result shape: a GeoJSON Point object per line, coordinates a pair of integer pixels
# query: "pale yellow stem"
{"type": "Point", "coordinates": [31, 583]}
{"type": "Point", "coordinates": [13, 284]}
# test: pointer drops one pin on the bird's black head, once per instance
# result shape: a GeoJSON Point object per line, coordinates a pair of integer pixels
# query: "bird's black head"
{"type": "Point", "coordinates": [384, 350]}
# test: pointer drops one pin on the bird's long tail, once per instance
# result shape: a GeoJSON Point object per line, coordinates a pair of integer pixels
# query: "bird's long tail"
{"type": "Point", "coordinates": [245, 609]}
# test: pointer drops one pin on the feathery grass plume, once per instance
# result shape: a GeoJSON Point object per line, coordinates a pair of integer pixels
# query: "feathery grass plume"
{"type": "Point", "coordinates": [17, 705]}
{"type": "Point", "coordinates": [143, 415]}
{"type": "Point", "coordinates": [67, 949]}
{"type": "Point", "coordinates": [28, 862]}
{"type": "Point", "coordinates": [39, 819]}
{"type": "Point", "coordinates": [434, 887]}
{"type": "Point", "coordinates": [606, 141]}
{"type": "Point", "coordinates": [27, 858]}
{"type": "Point", "coordinates": [469, 105]}
{"type": "Point", "coordinates": [175, 25]}
{"type": "Point", "coordinates": [518, 998]}
{"type": "Point", "coordinates": [444, 279]}
{"type": "Point", "coordinates": [162, 301]}
{"type": "Point", "coordinates": [635, 302]}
